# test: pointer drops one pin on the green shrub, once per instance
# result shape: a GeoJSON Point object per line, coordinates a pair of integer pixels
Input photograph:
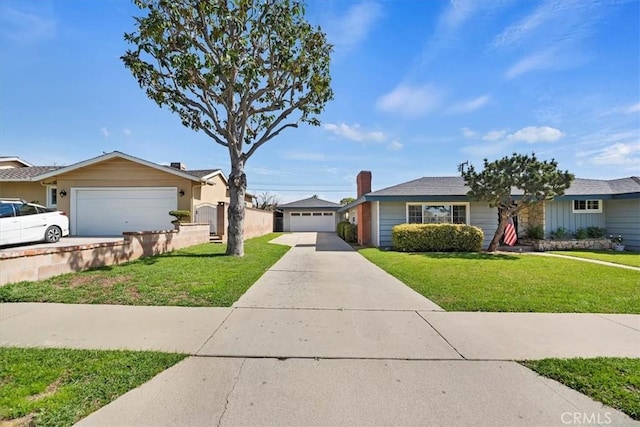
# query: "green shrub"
{"type": "Point", "coordinates": [581, 234]}
{"type": "Point", "coordinates": [347, 231]}
{"type": "Point", "coordinates": [535, 232]}
{"type": "Point", "coordinates": [181, 216]}
{"type": "Point", "coordinates": [560, 233]}
{"type": "Point", "coordinates": [436, 238]}
{"type": "Point", "coordinates": [596, 232]}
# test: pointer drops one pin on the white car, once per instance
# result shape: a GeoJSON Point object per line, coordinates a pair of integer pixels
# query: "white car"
{"type": "Point", "coordinates": [22, 222]}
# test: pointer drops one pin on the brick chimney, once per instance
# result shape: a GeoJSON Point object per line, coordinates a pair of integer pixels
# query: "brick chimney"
{"type": "Point", "coordinates": [179, 165]}
{"type": "Point", "coordinates": [363, 183]}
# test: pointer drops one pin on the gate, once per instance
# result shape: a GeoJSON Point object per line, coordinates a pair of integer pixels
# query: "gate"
{"type": "Point", "coordinates": [207, 214]}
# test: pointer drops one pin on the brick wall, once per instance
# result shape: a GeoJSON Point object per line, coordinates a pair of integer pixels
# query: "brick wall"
{"type": "Point", "coordinates": [40, 264]}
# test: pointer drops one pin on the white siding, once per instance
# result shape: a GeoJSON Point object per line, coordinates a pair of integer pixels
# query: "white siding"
{"type": "Point", "coordinates": [623, 217]}
{"type": "Point", "coordinates": [559, 213]}
{"type": "Point", "coordinates": [486, 219]}
{"type": "Point", "coordinates": [391, 214]}
{"type": "Point", "coordinates": [374, 223]}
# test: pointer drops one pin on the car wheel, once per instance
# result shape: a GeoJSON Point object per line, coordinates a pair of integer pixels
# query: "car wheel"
{"type": "Point", "coordinates": [52, 234]}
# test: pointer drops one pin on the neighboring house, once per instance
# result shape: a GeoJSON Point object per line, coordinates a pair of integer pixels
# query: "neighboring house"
{"type": "Point", "coordinates": [312, 214]}
{"type": "Point", "coordinates": [116, 192]}
{"type": "Point", "coordinates": [611, 204]}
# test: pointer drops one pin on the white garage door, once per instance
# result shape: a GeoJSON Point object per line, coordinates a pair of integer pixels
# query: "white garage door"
{"type": "Point", "coordinates": [312, 221]}
{"type": "Point", "coordinates": [110, 211]}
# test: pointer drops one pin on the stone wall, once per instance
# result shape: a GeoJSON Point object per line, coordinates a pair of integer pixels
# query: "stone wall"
{"type": "Point", "coordinates": [569, 245]}
{"type": "Point", "coordinates": [532, 215]}
{"type": "Point", "coordinates": [40, 264]}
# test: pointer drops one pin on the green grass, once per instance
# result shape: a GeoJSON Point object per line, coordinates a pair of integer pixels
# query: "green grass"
{"type": "Point", "coordinates": [197, 276]}
{"type": "Point", "coordinates": [612, 381]}
{"type": "Point", "coordinates": [58, 387]}
{"type": "Point", "coordinates": [625, 258]}
{"type": "Point", "coordinates": [513, 283]}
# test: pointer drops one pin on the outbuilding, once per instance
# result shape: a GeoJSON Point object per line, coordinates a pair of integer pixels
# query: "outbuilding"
{"type": "Point", "coordinates": [312, 214]}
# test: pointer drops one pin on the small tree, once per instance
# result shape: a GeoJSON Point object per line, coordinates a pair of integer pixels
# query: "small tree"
{"type": "Point", "coordinates": [266, 201]}
{"type": "Point", "coordinates": [234, 69]}
{"type": "Point", "coordinates": [537, 181]}
{"type": "Point", "coordinates": [347, 200]}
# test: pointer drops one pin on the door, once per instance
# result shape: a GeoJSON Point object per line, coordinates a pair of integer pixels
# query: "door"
{"type": "Point", "coordinates": [207, 214]}
{"type": "Point", "coordinates": [110, 211]}
{"type": "Point", "coordinates": [9, 224]}
{"type": "Point", "coordinates": [312, 221]}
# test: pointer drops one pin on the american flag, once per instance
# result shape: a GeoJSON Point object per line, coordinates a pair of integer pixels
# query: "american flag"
{"type": "Point", "coordinates": [510, 237]}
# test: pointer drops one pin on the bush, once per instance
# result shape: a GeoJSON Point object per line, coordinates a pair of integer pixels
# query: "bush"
{"type": "Point", "coordinates": [181, 216]}
{"type": "Point", "coordinates": [596, 232]}
{"type": "Point", "coordinates": [535, 232]}
{"type": "Point", "coordinates": [581, 234]}
{"type": "Point", "coordinates": [347, 231]}
{"type": "Point", "coordinates": [560, 233]}
{"type": "Point", "coordinates": [437, 238]}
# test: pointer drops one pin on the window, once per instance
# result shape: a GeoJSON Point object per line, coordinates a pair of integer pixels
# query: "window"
{"type": "Point", "coordinates": [6, 210]}
{"type": "Point", "coordinates": [295, 214]}
{"type": "Point", "coordinates": [306, 214]}
{"type": "Point", "coordinates": [445, 213]}
{"type": "Point", "coordinates": [25, 210]}
{"type": "Point", "coordinates": [52, 196]}
{"type": "Point", "coordinates": [317, 214]}
{"type": "Point", "coordinates": [587, 206]}
{"type": "Point", "coordinates": [328, 214]}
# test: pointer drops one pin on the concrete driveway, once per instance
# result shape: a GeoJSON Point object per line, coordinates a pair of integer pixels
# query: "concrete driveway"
{"type": "Point", "coordinates": [326, 338]}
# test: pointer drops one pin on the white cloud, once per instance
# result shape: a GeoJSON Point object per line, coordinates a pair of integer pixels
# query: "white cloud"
{"type": "Point", "coordinates": [470, 105]}
{"type": "Point", "coordinates": [395, 145]}
{"type": "Point", "coordinates": [26, 27]}
{"type": "Point", "coordinates": [494, 135]}
{"type": "Point", "coordinates": [127, 132]}
{"type": "Point", "coordinates": [633, 109]}
{"type": "Point", "coordinates": [542, 60]}
{"type": "Point", "coordinates": [355, 133]}
{"type": "Point", "coordinates": [105, 132]}
{"type": "Point", "coordinates": [411, 101]}
{"type": "Point", "coordinates": [618, 154]}
{"type": "Point", "coordinates": [304, 156]}
{"type": "Point", "coordinates": [489, 149]}
{"type": "Point", "coordinates": [533, 134]}
{"type": "Point", "coordinates": [468, 132]}
{"type": "Point", "coordinates": [352, 29]}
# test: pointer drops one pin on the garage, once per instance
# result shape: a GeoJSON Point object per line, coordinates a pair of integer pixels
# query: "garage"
{"type": "Point", "coordinates": [110, 211]}
{"type": "Point", "coordinates": [313, 221]}
{"type": "Point", "coordinates": [312, 214]}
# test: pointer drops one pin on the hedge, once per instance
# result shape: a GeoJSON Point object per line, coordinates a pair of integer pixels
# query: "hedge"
{"type": "Point", "coordinates": [347, 231]}
{"type": "Point", "coordinates": [436, 238]}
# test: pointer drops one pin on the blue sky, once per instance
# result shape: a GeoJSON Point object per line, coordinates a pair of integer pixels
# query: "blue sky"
{"type": "Point", "coordinates": [420, 86]}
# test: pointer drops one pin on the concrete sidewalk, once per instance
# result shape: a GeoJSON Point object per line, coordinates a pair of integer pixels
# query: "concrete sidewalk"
{"type": "Point", "coordinates": [327, 338]}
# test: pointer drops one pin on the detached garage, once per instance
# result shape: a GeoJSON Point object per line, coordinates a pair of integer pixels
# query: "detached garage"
{"type": "Point", "coordinates": [312, 214]}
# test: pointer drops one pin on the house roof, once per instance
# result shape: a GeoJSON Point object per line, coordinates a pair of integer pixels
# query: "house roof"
{"type": "Point", "coordinates": [14, 159]}
{"type": "Point", "coordinates": [36, 173]}
{"type": "Point", "coordinates": [310, 203]}
{"type": "Point", "coordinates": [454, 187]}
{"type": "Point", "coordinates": [201, 173]}
{"type": "Point", "coordinates": [25, 173]}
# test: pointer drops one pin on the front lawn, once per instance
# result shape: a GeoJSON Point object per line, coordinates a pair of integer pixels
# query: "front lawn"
{"type": "Point", "coordinates": [58, 387]}
{"type": "Point", "coordinates": [197, 276]}
{"type": "Point", "coordinates": [513, 283]}
{"type": "Point", "coordinates": [625, 258]}
{"type": "Point", "coordinates": [612, 381]}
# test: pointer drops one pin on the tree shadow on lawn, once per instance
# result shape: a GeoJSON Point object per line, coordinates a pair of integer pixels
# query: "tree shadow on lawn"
{"type": "Point", "coordinates": [472, 256]}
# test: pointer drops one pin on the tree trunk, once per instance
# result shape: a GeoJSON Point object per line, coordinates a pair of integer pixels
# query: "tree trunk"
{"type": "Point", "coordinates": [502, 225]}
{"type": "Point", "coordinates": [237, 191]}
